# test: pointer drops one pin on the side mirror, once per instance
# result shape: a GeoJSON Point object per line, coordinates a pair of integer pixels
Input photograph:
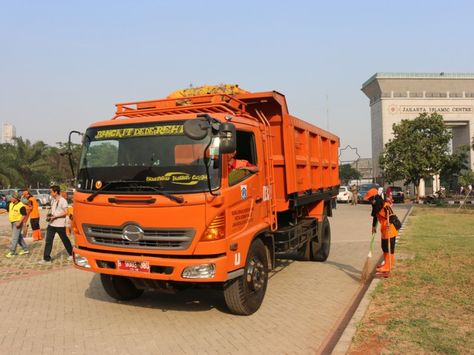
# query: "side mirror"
{"type": "Point", "coordinates": [196, 129]}
{"type": "Point", "coordinates": [228, 141]}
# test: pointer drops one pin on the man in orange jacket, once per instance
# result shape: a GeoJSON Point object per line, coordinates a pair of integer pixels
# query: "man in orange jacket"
{"type": "Point", "coordinates": [33, 214]}
{"type": "Point", "coordinates": [381, 212]}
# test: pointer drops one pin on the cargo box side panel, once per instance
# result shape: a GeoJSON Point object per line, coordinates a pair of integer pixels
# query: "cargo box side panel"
{"type": "Point", "coordinates": [334, 162]}
{"type": "Point", "coordinates": [316, 153]}
{"type": "Point", "coordinates": [303, 165]}
{"type": "Point", "coordinates": [315, 161]}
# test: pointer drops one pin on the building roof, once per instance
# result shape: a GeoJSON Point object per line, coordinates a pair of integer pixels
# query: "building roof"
{"type": "Point", "coordinates": [441, 75]}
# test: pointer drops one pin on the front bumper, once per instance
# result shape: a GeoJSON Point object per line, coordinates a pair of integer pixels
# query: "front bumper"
{"type": "Point", "coordinates": [161, 268]}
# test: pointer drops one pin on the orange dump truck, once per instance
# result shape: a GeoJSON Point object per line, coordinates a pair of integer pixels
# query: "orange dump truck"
{"type": "Point", "coordinates": [160, 202]}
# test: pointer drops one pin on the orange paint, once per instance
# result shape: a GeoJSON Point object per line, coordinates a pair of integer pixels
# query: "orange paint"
{"type": "Point", "coordinates": [298, 172]}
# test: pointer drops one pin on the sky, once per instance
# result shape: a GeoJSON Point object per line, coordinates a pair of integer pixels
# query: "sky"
{"type": "Point", "coordinates": [65, 64]}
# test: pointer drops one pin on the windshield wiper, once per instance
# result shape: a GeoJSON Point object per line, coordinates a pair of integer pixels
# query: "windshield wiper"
{"type": "Point", "coordinates": [106, 187]}
{"type": "Point", "coordinates": [162, 193]}
{"type": "Point", "coordinates": [134, 185]}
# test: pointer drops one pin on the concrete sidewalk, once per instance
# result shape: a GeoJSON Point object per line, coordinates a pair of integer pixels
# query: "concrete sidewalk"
{"type": "Point", "coordinates": [59, 309]}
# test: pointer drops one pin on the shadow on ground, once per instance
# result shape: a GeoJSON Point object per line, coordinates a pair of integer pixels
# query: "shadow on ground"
{"type": "Point", "coordinates": [192, 299]}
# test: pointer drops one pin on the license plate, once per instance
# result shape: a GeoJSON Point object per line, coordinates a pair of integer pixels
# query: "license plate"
{"type": "Point", "coordinates": [140, 266]}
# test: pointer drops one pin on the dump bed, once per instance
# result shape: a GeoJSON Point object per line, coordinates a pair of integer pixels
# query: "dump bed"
{"type": "Point", "coordinates": [305, 157]}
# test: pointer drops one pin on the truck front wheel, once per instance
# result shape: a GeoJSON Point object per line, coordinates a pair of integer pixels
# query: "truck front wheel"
{"type": "Point", "coordinates": [120, 288]}
{"type": "Point", "coordinates": [244, 295]}
{"type": "Point", "coordinates": [320, 248]}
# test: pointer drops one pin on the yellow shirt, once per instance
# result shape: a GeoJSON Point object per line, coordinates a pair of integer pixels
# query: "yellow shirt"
{"type": "Point", "coordinates": [14, 212]}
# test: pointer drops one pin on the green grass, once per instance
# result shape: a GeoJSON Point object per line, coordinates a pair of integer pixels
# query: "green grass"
{"type": "Point", "coordinates": [427, 306]}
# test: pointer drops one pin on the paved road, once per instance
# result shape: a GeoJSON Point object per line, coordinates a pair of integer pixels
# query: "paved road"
{"type": "Point", "coordinates": [58, 309]}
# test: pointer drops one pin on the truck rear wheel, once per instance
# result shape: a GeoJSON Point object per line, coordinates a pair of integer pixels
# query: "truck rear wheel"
{"type": "Point", "coordinates": [120, 288]}
{"type": "Point", "coordinates": [320, 248]}
{"type": "Point", "coordinates": [245, 294]}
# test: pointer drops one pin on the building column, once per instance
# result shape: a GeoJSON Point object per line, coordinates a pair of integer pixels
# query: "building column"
{"type": "Point", "coordinates": [421, 188]}
{"type": "Point", "coordinates": [436, 183]}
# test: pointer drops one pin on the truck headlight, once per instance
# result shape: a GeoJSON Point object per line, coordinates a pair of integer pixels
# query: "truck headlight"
{"type": "Point", "coordinates": [203, 271]}
{"type": "Point", "coordinates": [81, 261]}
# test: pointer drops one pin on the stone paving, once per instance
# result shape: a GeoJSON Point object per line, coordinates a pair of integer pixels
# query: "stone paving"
{"type": "Point", "coordinates": [27, 265]}
{"type": "Point", "coordinates": [58, 309]}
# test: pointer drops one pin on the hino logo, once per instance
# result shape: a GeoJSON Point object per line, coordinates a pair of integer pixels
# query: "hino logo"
{"type": "Point", "coordinates": [132, 233]}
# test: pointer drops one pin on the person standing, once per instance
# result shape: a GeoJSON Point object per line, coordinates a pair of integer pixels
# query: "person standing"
{"type": "Point", "coordinates": [354, 191]}
{"type": "Point", "coordinates": [389, 195]}
{"type": "Point", "coordinates": [17, 215]}
{"type": "Point", "coordinates": [33, 215]}
{"type": "Point", "coordinates": [57, 224]}
{"type": "Point", "coordinates": [381, 212]}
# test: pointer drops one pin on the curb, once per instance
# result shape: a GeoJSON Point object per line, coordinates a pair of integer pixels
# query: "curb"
{"type": "Point", "coordinates": [345, 341]}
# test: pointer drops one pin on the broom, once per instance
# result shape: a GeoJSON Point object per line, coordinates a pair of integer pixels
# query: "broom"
{"type": "Point", "coordinates": [367, 269]}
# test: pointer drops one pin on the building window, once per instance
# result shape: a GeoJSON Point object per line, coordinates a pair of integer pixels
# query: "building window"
{"type": "Point", "coordinates": [386, 94]}
{"type": "Point", "coordinates": [436, 94]}
{"type": "Point", "coordinates": [400, 94]}
{"type": "Point", "coordinates": [416, 94]}
{"type": "Point", "coordinates": [455, 94]}
{"type": "Point", "coordinates": [469, 94]}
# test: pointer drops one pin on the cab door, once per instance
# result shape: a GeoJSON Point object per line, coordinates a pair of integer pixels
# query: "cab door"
{"type": "Point", "coordinates": [247, 200]}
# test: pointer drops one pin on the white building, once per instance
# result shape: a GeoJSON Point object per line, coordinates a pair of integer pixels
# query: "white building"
{"type": "Point", "coordinates": [8, 133]}
{"type": "Point", "coordinates": [397, 96]}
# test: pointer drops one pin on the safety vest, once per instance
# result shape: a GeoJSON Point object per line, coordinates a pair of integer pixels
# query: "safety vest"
{"type": "Point", "coordinates": [34, 207]}
{"type": "Point", "coordinates": [14, 213]}
{"type": "Point", "coordinates": [388, 230]}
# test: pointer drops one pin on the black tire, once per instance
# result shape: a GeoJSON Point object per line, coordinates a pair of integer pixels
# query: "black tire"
{"type": "Point", "coordinates": [244, 295]}
{"type": "Point", "coordinates": [321, 246]}
{"type": "Point", "coordinates": [120, 288]}
{"type": "Point", "coordinates": [304, 253]}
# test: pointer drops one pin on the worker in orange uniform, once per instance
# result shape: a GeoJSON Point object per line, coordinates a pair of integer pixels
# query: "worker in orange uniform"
{"type": "Point", "coordinates": [381, 211]}
{"type": "Point", "coordinates": [240, 164]}
{"type": "Point", "coordinates": [33, 214]}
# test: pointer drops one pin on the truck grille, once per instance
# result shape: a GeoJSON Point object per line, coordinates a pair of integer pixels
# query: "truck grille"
{"type": "Point", "coordinates": [177, 239]}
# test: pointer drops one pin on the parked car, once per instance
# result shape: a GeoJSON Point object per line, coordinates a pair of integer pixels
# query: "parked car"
{"type": "Point", "coordinates": [8, 193]}
{"type": "Point", "coordinates": [42, 196]}
{"type": "Point", "coordinates": [3, 201]}
{"type": "Point", "coordinates": [398, 195]}
{"type": "Point", "coordinates": [363, 190]}
{"type": "Point", "coordinates": [344, 195]}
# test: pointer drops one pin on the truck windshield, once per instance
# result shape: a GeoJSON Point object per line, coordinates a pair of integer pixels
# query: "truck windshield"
{"type": "Point", "coordinates": [154, 154]}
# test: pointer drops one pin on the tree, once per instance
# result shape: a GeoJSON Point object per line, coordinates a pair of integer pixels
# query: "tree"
{"type": "Point", "coordinates": [418, 149]}
{"type": "Point", "coordinates": [8, 174]}
{"type": "Point", "coordinates": [59, 159]}
{"type": "Point", "coordinates": [35, 164]}
{"type": "Point", "coordinates": [30, 161]}
{"type": "Point", "coordinates": [347, 173]}
{"type": "Point", "coordinates": [454, 166]}
{"type": "Point", "coordinates": [467, 178]}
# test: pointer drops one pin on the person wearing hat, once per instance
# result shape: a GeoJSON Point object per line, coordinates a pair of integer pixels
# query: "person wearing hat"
{"type": "Point", "coordinates": [17, 215]}
{"type": "Point", "coordinates": [33, 214]}
{"type": "Point", "coordinates": [381, 211]}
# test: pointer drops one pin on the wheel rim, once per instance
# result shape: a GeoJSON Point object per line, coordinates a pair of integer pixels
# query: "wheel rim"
{"type": "Point", "coordinates": [255, 274]}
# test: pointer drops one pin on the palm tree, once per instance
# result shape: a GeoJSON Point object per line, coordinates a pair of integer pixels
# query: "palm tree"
{"type": "Point", "coordinates": [31, 161]}
{"type": "Point", "coordinates": [8, 174]}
